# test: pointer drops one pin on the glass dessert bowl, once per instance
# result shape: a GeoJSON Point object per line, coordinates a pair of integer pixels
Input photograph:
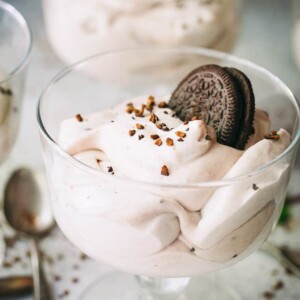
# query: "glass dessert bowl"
{"type": "Point", "coordinates": [15, 49]}
{"type": "Point", "coordinates": [162, 203]}
{"type": "Point", "coordinates": [78, 30]}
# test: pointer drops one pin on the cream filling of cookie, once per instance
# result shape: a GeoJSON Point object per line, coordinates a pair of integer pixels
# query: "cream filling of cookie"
{"type": "Point", "coordinates": [145, 229]}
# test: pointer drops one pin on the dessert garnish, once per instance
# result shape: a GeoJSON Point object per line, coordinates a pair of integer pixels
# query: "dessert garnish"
{"type": "Point", "coordinates": [180, 134]}
{"type": "Point", "coordinates": [132, 132]}
{"type": "Point", "coordinates": [255, 187]}
{"type": "Point", "coordinates": [164, 171]}
{"type": "Point", "coordinates": [139, 126]}
{"type": "Point", "coordinates": [154, 136]}
{"type": "Point", "coordinates": [169, 142]}
{"type": "Point", "coordinates": [158, 142]}
{"type": "Point", "coordinates": [273, 135]}
{"type": "Point", "coordinates": [141, 136]}
{"type": "Point", "coordinates": [79, 118]}
{"type": "Point", "coordinates": [222, 97]}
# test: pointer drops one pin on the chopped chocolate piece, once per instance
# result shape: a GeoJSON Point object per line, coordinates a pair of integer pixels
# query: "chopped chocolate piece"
{"type": "Point", "coordinates": [185, 122]}
{"type": "Point", "coordinates": [180, 134]}
{"type": "Point", "coordinates": [154, 136]}
{"type": "Point", "coordinates": [255, 187]}
{"type": "Point", "coordinates": [188, 129]}
{"type": "Point", "coordinates": [272, 136]}
{"type": "Point", "coordinates": [159, 126]}
{"type": "Point", "coordinates": [141, 136]}
{"type": "Point", "coordinates": [75, 280]}
{"type": "Point", "coordinates": [192, 249]}
{"type": "Point", "coordinates": [132, 132]}
{"type": "Point", "coordinates": [79, 118]}
{"type": "Point", "coordinates": [158, 142]}
{"type": "Point", "coordinates": [208, 137]}
{"type": "Point", "coordinates": [153, 118]}
{"type": "Point", "coordinates": [169, 142]}
{"type": "Point", "coordinates": [164, 171]}
{"type": "Point", "coordinates": [278, 285]}
{"type": "Point", "coordinates": [6, 92]}
{"type": "Point", "coordinates": [82, 255]}
{"type": "Point", "coordinates": [140, 112]}
{"type": "Point", "coordinates": [165, 112]}
{"type": "Point", "coordinates": [130, 109]}
{"type": "Point", "coordinates": [98, 161]}
{"type": "Point", "coordinates": [162, 104]}
{"type": "Point", "coordinates": [150, 103]}
{"type": "Point", "coordinates": [180, 140]}
{"type": "Point", "coordinates": [268, 295]}
{"type": "Point", "coordinates": [139, 126]}
{"type": "Point", "coordinates": [234, 256]}
{"type": "Point", "coordinates": [109, 169]}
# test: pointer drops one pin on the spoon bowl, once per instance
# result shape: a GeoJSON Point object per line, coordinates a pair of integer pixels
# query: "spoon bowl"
{"type": "Point", "coordinates": [27, 210]}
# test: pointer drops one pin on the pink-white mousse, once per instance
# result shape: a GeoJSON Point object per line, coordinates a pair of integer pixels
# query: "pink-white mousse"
{"type": "Point", "coordinates": [165, 231]}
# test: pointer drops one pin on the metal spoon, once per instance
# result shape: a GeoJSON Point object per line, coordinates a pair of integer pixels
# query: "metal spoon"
{"type": "Point", "coordinates": [28, 211]}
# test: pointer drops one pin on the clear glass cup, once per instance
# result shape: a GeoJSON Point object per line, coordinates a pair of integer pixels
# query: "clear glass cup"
{"type": "Point", "coordinates": [79, 29]}
{"type": "Point", "coordinates": [15, 49]}
{"type": "Point", "coordinates": [100, 213]}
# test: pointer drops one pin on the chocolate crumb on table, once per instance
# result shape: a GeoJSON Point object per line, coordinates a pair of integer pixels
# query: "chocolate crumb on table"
{"type": "Point", "coordinates": [192, 249]}
{"type": "Point", "coordinates": [180, 140]}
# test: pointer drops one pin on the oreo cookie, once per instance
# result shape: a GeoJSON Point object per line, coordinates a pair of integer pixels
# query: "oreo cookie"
{"type": "Point", "coordinates": [222, 97]}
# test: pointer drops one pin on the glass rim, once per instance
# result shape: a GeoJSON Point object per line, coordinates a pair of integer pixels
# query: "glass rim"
{"type": "Point", "coordinates": [192, 50]}
{"type": "Point", "coordinates": [23, 23]}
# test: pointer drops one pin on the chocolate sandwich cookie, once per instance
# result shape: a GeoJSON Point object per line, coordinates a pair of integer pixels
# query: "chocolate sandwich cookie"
{"type": "Point", "coordinates": [248, 101]}
{"type": "Point", "coordinates": [222, 97]}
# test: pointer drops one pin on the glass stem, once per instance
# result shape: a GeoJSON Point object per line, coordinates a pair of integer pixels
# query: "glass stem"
{"type": "Point", "coordinates": [155, 287]}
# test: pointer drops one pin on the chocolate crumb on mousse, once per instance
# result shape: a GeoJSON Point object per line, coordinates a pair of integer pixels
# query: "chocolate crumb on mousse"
{"type": "Point", "coordinates": [158, 142]}
{"type": "Point", "coordinates": [268, 295]}
{"type": "Point", "coordinates": [140, 112]}
{"type": "Point", "coordinates": [164, 171]}
{"type": "Point", "coordinates": [154, 136]}
{"type": "Point", "coordinates": [180, 134]}
{"type": "Point", "coordinates": [139, 126]}
{"type": "Point", "coordinates": [98, 160]}
{"type": "Point", "coordinates": [153, 118]}
{"type": "Point", "coordinates": [180, 140]}
{"type": "Point", "coordinates": [79, 118]}
{"type": "Point", "coordinates": [255, 187]}
{"type": "Point", "coordinates": [132, 132]}
{"type": "Point", "coordinates": [110, 169]}
{"type": "Point", "coordinates": [141, 136]}
{"type": "Point", "coordinates": [150, 103]}
{"type": "Point", "coordinates": [162, 104]}
{"type": "Point", "coordinates": [169, 142]}
{"type": "Point", "coordinates": [192, 249]}
{"type": "Point", "coordinates": [272, 136]}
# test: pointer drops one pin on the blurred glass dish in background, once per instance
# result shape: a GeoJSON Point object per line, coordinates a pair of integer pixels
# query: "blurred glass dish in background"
{"type": "Point", "coordinates": [78, 29]}
{"type": "Point", "coordinates": [15, 48]}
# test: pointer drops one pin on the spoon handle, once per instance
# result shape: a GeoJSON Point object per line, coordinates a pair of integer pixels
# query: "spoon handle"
{"type": "Point", "coordinates": [41, 288]}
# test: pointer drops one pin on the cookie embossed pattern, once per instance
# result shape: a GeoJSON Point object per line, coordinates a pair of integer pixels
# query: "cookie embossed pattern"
{"type": "Point", "coordinates": [143, 181]}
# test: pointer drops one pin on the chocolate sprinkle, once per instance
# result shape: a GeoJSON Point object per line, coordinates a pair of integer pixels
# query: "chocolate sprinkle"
{"type": "Point", "coordinates": [164, 171]}
{"type": "Point", "coordinates": [79, 118]}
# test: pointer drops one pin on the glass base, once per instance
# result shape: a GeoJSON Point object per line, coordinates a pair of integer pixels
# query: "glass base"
{"type": "Point", "coordinates": [117, 285]}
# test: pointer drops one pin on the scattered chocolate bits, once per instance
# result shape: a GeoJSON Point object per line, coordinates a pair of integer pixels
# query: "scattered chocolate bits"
{"type": "Point", "coordinates": [169, 142]}
{"type": "Point", "coordinates": [165, 112]}
{"type": "Point", "coordinates": [158, 142]}
{"type": "Point", "coordinates": [180, 140]}
{"type": "Point", "coordinates": [139, 126]}
{"type": "Point", "coordinates": [6, 92]}
{"type": "Point", "coordinates": [75, 280]}
{"type": "Point", "coordinates": [109, 170]}
{"type": "Point", "coordinates": [164, 171]}
{"type": "Point", "coordinates": [268, 295]}
{"type": "Point", "coordinates": [159, 126]}
{"type": "Point", "coordinates": [162, 104]}
{"type": "Point", "coordinates": [272, 136]}
{"type": "Point", "coordinates": [130, 108]}
{"type": "Point", "coordinates": [255, 187]}
{"type": "Point", "coordinates": [79, 118]}
{"type": "Point", "coordinates": [153, 118]}
{"type": "Point", "coordinates": [132, 132]}
{"type": "Point", "coordinates": [278, 285]}
{"type": "Point", "coordinates": [141, 136]}
{"type": "Point", "coordinates": [140, 112]}
{"type": "Point", "coordinates": [150, 103]}
{"type": "Point", "coordinates": [98, 161]}
{"type": "Point", "coordinates": [154, 136]}
{"type": "Point", "coordinates": [208, 137]}
{"type": "Point", "coordinates": [180, 134]}
{"type": "Point", "coordinates": [192, 249]}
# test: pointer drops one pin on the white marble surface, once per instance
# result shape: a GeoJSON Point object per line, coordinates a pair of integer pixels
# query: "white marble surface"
{"type": "Point", "coordinates": [265, 39]}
